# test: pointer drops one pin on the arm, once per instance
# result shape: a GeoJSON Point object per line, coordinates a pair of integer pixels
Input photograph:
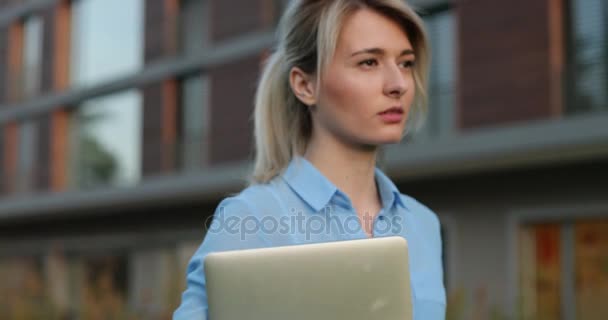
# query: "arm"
{"type": "Point", "coordinates": [225, 233]}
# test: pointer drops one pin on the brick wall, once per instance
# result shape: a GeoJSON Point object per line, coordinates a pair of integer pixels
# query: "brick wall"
{"type": "Point", "coordinates": [237, 17]}
{"type": "Point", "coordinates": [504, 66]}
{"type": "Point", "coordinates": [233, 88]}
{"type": "Point", "coordinates": [155, 23]}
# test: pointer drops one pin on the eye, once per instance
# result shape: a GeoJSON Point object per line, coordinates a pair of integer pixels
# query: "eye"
{"type": "Point", "coordinates": [368, 63]}
{"type": "Point", "coordinates": [408, 64]}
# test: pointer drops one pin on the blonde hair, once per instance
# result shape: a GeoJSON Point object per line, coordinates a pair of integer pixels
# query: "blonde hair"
{"type": "Point", "coordinates": [307, 37]}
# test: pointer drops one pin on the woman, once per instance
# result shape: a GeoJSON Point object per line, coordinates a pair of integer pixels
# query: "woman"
{"type": "Point", "coordinates": [346, 78]}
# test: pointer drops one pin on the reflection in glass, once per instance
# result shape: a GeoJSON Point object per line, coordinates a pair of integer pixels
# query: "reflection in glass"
{"type": "Point", "coordinates": [540, 271]}
{"type": "Point", "coordinates": [106, 39]}
{"type": "Point", "coordinates": [106, 144]}
{"type": "Point", "coordinates": [135, 284]}
{"type": "Point", "coordinates": [590, 55]}
{"type": "Point", "coordinates": [194, 117]}
{"type": "Point", "coordinates": [23, 290]}
{"type": "Point", "coordinates": [32, 56]}
{"type": "Point", "coordinates": [103, 288]}
{"type": "Point", "coordinates": [545, 292]}
{"type": "Point", "coordinates": [26, 161]}
{"type": "Point", "coordinates": [194, 26]}
{"type": "Point", "coordinates": [591, 252]}
{"type": "Point", "coordinates": [440, 116]}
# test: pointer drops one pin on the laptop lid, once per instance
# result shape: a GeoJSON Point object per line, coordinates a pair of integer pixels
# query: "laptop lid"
{"type": "Point", "coordinates": [355, 280]}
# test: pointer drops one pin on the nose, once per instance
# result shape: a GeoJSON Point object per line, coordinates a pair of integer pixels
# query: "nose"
{"type": "Point", "coordinates": [395, 84]}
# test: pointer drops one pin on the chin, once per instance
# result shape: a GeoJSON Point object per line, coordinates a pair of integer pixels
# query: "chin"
{"type": "Point", "coordinates": [394, 140]}
{"type": "Point", "coordinates": [390, 137]}
{"type": "Point", "coordinates": [386, 139]}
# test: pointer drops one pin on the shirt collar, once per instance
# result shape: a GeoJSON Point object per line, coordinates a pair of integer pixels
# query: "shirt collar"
{"type": "Point", "coordinates": [389, 193]}
{"type": "Point", "coordinates": [316, 190]}
{"type": "Point", "coordinates": [309, 183]}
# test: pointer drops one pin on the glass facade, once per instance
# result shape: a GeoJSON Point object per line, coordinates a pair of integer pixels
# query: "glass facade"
{"type": "Point", "coordinates": [194, 89]}
{"type": "Point", "coordinates": [32, 56]}
{"type": "Point", "coordinates": [106, 40]}
{"type": "Point", "coordinates": [194, 26]}
{"type": "Point", "coordinates": [548, 277]}
{"type": "Point", "coordinates": [127, 283]}
{"type": "Point", "coordinates": [591, 270]}
{"type": "Point", "coordinates": [588, 69]}
{"type": "Point", "coordinates": [540, 272]}
{"type": "Point", "coordinates": [440, 118]}
{"type": "Point", "coordinates": [106, 141]}
{"type": "Point", "coordinates": [102, 139]}
{"type": "Point", "coordinates": [194, 118]}
{"type": "Point", "coordinates": [27, 156]}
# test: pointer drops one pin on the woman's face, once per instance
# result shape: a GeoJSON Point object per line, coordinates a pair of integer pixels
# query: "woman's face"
{"type": "Point", "coordinates": [367, 89]}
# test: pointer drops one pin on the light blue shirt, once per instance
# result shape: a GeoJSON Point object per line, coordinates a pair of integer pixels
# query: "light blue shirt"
{"type": "Point", "coordinates": [303, 206]}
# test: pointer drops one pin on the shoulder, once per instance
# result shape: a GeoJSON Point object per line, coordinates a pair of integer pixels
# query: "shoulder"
{"type": "Point", "coordinates": [256, 198]}
{"type": "Point", "coordinates": [421, 213]}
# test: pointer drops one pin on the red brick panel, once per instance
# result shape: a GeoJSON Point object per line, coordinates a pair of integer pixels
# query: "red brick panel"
{"type": "Point", "coordinates": [238, 17]}
{"type": "Point", "coordinates": [169, 132]}
{"type": "Point", "coordinates": [59, 28]}
{"type": "Point", "coordinates": [8, 3]}
{"type": "Point", "coordinates": [59, 150]}
{"type": "Point", "coordinates": [160, 29]}
{"type": "Point", "coordinates": [504, 62]}
{"type": "Point", "coordinates": [15, 62]}
{"type": "Point", "coordinates": [232, 91]}
{"type": "Point", "coordinates": [153, 47]}
{"type": "Point", "coordinates": [152, 150]}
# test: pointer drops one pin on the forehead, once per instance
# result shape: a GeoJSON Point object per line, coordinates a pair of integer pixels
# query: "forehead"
{"type": "Point", "coordinates": [366, 28]}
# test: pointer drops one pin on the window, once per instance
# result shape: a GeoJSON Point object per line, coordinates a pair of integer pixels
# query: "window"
{"type": "Point", "coordinates": [564, 270]}
{"type": "Point", "coordinates": [32, 56]}
{"type": "Point", "coordinates": [26, 158]}
{"type": "Point", "coordinates": [24, 60]}
{"type": "Point", "coordinates": [157, 278]}
{"type": "Point", "coordinates": [103, 283]}
{"type": "Point", "coordinates": [194, 117]}
{"type": "Point", "coordinates": [194, 26]}
{"type": "Point", "coordinates": [106, 141]}
{"type": "Point", "coordinates": [440, 117]}
{"type": "Point", "coordinates": [588, 65]}
{"type": "Point", "coordinates": [540, 271]}
{"type": "Point", "coordinates": [23, 287]}
{"type": "Point", "coordinates": [591, 269]}
{"type": "Point", "coordinates": [107, 40]}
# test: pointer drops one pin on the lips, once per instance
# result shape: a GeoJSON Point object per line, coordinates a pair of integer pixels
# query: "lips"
{"type": "Point", "coordinates": [392, 115]}
{"type": "Point", "coordinates": [398, 110]}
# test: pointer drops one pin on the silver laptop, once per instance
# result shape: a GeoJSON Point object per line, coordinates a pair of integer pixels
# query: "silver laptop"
{"type": "Point", "coordinates": [354, 280]}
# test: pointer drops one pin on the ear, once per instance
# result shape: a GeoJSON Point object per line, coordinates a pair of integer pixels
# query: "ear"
{"type": "Point", "coordinates": [303, 86]}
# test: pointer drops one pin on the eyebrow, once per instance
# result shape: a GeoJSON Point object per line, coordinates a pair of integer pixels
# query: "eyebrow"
{"type": "Point", "coordinates": [379, 51]}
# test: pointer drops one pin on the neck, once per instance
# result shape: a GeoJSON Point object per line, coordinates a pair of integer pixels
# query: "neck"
{"type": "Point", "coordinates": [351, 169]}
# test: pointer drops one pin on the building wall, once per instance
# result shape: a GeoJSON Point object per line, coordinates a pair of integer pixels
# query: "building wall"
{"type": "Point", "coordinates": [508, 64]}
{"type": "Point", "coordinates": [504, 62]}
{"type": "Point", "coordinates": [483, 214]}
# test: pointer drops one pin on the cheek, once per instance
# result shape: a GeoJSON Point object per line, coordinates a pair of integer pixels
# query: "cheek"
{"type": "Point", "coordinates": [350, 94]}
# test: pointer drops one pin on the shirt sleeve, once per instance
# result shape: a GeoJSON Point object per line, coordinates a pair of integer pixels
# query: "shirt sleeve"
{"type": "Point", "coordinates": [434, 307]}
{"type": "Point", "coordinates": [232, 228]}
